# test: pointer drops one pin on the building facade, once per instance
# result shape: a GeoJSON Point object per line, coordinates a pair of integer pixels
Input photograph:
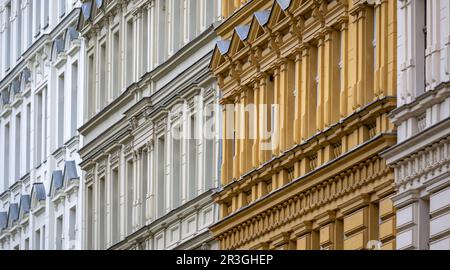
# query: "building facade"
{"type": "Point", "coordinates": [422, 154]}
{"type": "Point", "coordinates": [40, 111]}
{"type": "Point", "coordinates": [302, 169]}
{"type": "Point", "coordinates": [149, 174]}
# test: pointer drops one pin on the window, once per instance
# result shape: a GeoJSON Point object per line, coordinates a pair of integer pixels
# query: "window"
{"type": "Point", "coordinates": [102, 213]}
{"type": "Point", "coordinates": [44, 128]}
{"type": "Point", "coordinates": [175, 25]}
{"type": "Point", "coordinates": [29, 28]}
{"type": "Point", "coordinates": [144, 188]}
{"type": "Point", "coordinates": [116, 65]}
{"type": "Point", "coordinates": [37, 18]}
{"type": "Point", "coordinates": [74, 99]}
{"type": "Point", "coordinates": [162, 27]}
{"type": "Point", "coordinates": [46, 13]}
{"type": "Point", "coordinates": [27, 244]}
{"type": "Point", "coordinates": [59, 233]}
{"type": "Point", "coordinates": [8, 35]}
{"type": "Point", "coordinates": [91, 86]}
{"type": "Point", "coordinates": [19, 30]}
{"type": "Point", "coordinates": [90, 218]}
{"type": "Point", "coordinates": [28, 142]}
{"type": "Point", "coordinates": [145, 43]}
{"type": "Point", "coordinates": [209, 151]}
{"type": "Point", "coordinates": [18, 149]}
{"type": "Point", "coordinates": [115, 206]}
{"type": "Point", "coordinates": [72, 223]}
{"type": "Point", "coordinates": [102, 67]}
{"type": "Point", "coordinates": [129, 53]}
{"type": "Point", "coordinates": [130, 180]}
{"type": "Point", "coordinates": [39, 131]}
{"type": "Point", "coordinates": [62, 8]}
{"type": "Point", "coordinates": [61, 110]}
{"type": "Point", "coordinates": [176, 171]}
{"type": "Point", "coordinates": [37, 240]}
{"type": "Point", "coordinates": [6, 157]}
{"type": "Point", "coordinates": [192, 187]}
{"type": "Point", "coordinates": [161, 176]}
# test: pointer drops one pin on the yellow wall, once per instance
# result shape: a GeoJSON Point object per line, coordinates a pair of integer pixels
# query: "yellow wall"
{"type": "Point", "coordinates": [331, 68]}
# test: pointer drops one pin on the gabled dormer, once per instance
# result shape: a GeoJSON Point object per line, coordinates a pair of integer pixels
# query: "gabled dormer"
{"type": "Point", "coordinates": [25, 78]}
{"type": "Point", "coordinates": [56, 185]}
{"type": "Point", "coordinates": [3, 221]}
{"type": "Point", "coordinates": [13, 215]}
{"type": "Point", "coordinates": [38, 197]}
{"type": "Point", "coordinates": [85, 14]}
{"type": "Point", "coordinates": [24, 207]}
{"type": "Point", "coordinates": [72, 42]}
{"type": "Point", "coordinates": [58, 56]}
{"type": "Point", "coordinates": [71, 179]}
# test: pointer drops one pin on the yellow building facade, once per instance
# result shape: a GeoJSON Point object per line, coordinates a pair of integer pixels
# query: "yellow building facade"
{"type": "Point", "coordinates": [330, 69]}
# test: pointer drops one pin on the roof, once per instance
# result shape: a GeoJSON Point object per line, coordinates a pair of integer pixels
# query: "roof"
{"type": "Point", "coordinates": [25, 204]}
{"type": "Point", "coordinates": [86, 9]}
{"type": "Point", "coordinates": [3, 220]}
{"type": "Point", "coordinates": [70, 170]}
{"type": "Point", "coordinates": [57, 181]}
{"type": "Point", "coordinates": [13, 214]}
{"type": "Point", "coordinates": [38, 191]}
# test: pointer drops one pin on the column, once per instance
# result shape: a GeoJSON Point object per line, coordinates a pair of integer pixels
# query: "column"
{"type": "Point", "coordinates": [297, 97]}
{"type": "Point", "coordinates": [320, 79]}
{"type": "Point", "coordinates": [276, 132]}
{"type": "Point", "coordinates": [343, 104]}
{"type": "Point", "coordinates": [256, 124]}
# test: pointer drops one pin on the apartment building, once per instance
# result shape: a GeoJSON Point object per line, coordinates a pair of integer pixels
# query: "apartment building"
{"type": "Point", "coordinates": [149, 174]}
{"type": "Point", "coordinates": [421, 157]}
{"type": "Point", "coordinates": [41, 108]}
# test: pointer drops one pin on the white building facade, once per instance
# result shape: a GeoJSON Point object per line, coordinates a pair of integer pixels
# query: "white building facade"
{"type": "Point", "coordinates": [422, 156]}
{"type": "Point", "coordinates": [147, 84]}
{"type": "Point", "coordinates": [40, 111]}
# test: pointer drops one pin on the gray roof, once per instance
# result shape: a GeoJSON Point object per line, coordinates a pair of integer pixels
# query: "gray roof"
{"type": "Point", "coordinates": [72, 33]}
{"type": "Point", "coordinates": [15, 86]}
{"type": "Point", "coordinates": [26, 75]}
{"type": "Point", "coordinates": [224, 46]}
{"type": "Point", "coordinates": [5, 96]}
{"type": "Point", "coordinates": [25, 204]}
{"type": "Point", "coordinates": [13, 214]}
{"type": "Point", "coordinates": [86, 9]}
{"type": "Point", "coordinates": [99, 3]}
{"type": "Point", "coordinates": [57, 180]}
{"type": "Point", "coordinates": [242, 31]}
{"type": "Point", "coordinates": [70, 170]}
{"type": "Point", "coordinates": [262, 17]}
{"type": "Point", "coordinates": [284, 4]}
{"type": "Point", "coordinates": [39, 191]}
{"type": "Point", "coordinates": [58, 46]}
{"type": "Point", "coordinates": [3, 220]}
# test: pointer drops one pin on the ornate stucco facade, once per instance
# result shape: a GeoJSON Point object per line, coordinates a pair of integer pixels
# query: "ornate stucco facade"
{"type": "Point", "coordinates": [421, 157]}
{"type": "Point", "coordinates": [147, 82]}
{"type": "Point", "coordinates": [326, 74]}
{"type": "Point", "coordinates": [40, 110]}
